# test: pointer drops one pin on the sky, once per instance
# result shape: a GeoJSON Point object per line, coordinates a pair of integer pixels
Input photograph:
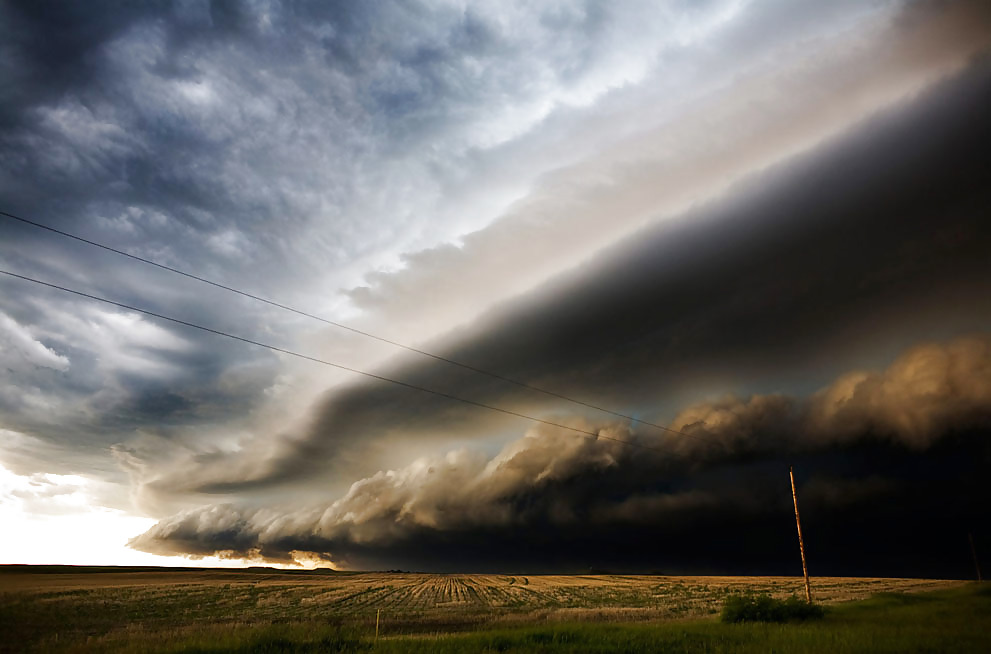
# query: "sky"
{"type": "Point", "coordinates": [672, 248]}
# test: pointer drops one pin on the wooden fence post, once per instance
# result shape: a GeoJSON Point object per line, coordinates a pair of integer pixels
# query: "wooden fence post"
{"type": "Point", "coordinates": [801, 542]}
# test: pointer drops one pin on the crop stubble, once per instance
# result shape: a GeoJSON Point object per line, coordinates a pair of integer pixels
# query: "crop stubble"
{"type": "Point", "coordinates": [401, 596]}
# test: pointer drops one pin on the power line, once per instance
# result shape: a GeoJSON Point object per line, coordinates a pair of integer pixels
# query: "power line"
{"type": "Point", "coordinates": [329, 363]}
{"type": "Point", "coordinates": [353, 329]}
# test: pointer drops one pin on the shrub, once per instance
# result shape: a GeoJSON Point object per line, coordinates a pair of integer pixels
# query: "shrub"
{"type": "Point", "coordinates": [764, 608]}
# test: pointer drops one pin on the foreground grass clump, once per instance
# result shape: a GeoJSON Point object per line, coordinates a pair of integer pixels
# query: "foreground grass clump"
{"type": "Point", "coordinates": [764, 608]}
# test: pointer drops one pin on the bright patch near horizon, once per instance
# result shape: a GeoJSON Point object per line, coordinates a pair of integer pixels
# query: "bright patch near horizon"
{"type": "Point", "coordinates": [54, 519]}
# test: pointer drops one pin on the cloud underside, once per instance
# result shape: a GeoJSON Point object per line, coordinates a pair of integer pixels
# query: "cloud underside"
{"type": "Point", "coordinates": [555, 499]}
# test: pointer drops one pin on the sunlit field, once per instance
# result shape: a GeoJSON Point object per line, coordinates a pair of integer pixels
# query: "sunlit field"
{"type": "Point", "coordinates": [147, 609]}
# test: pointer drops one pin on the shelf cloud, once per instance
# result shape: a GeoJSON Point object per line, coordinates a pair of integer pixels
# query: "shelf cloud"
{"type": "Point", "coordinates": [760, 223]}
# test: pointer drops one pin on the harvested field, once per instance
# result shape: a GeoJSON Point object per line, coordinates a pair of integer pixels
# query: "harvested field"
{"type": "Point", "coordinates": [104, 605]}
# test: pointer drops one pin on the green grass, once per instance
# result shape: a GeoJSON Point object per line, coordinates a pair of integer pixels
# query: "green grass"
{"type": "Point", "coordinates": [191, 620]}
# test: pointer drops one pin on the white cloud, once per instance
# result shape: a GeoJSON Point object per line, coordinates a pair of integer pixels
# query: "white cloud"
{"type": "Point", "coordinates": [20, 350]}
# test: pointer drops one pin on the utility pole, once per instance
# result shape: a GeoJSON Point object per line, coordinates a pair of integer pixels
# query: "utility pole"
{"type": "Point", "coordinates": [973, 553]}
{"type": "Point", "coordinates": [801, 542]}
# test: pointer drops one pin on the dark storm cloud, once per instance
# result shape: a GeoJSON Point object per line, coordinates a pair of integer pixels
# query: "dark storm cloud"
{"type": "Point", "coordinates": [929, 391]}
{"type": "Point", "coordinates": [554, 500]}
{"type": "Point", "coordinates": [868, 244]}
{"type": "Point", "coordinates": [48, 47]}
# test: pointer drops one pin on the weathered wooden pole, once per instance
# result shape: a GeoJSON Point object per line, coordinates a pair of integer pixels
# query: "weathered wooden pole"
{"type": "Point", "coordinates": [378, 614]}
{"type": "Point", "coordinates": [973, 553]}
{"type": "Point", "coordinates": [801, 542]}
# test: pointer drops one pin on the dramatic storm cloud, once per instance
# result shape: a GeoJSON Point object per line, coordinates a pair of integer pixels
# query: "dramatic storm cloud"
{"type": "Point", "coordinates": [551, 482]}
{"type": "Point", "coordinates": [761, 289]}
{"type": "Point", "coordinates": [726, 217]}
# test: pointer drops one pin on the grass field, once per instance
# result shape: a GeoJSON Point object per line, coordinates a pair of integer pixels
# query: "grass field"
{"type": "Point", "coordinates": [147, 609]}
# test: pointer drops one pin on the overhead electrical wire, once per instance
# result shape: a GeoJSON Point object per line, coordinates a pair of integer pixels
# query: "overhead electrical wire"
{"type": "Point", "coordinates": [306, 357]}
{"type": "Point", "coordinates": [346, 327]}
